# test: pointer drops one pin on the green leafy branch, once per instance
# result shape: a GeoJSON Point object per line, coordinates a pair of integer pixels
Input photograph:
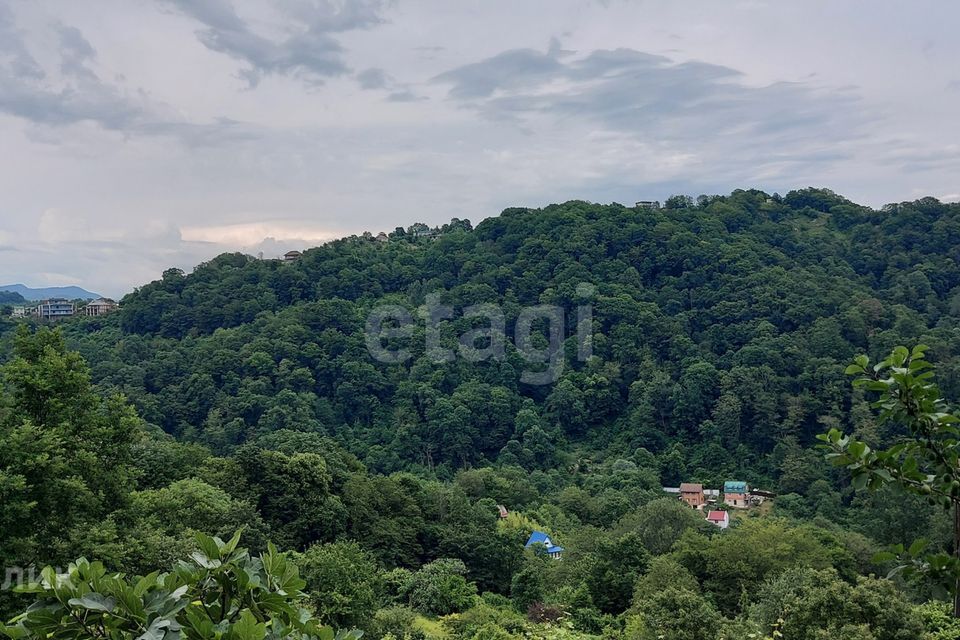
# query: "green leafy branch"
{"type": "Point", "coordinates": [220, 593]}
{"type": "Point", "coordinates": [925, 463]}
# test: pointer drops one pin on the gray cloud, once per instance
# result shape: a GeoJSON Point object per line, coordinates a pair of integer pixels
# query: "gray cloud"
{"type": "Point", "coordinates": [505, 71]}
{"type": "Point", "coordinates": [310, 52]}
{"type": "Point", "coordinates": [78, 94]}
{"type": "Point", "coordinates": [404, 95]}
{"type": "Point", "coordinates": [373, 78]}
{"type": "Point", "coordinates": [27, 91]}
{"type": "Point", "coordinates": [377, 79]}
{"type": "Point", "coordinates": [651, 97]}
{"type": "Point", "coordinates": [15, 58]}
{"type": "Point", "coordinates": [75, 52]}
{"type": "Point", "coordinates": [84, 99]}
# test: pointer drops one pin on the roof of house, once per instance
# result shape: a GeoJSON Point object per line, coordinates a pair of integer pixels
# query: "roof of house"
{"type": "Point", "coordinates": [717, 516]}
{"type": "Point", "coordinates": [734, 486]}
{"type": "Point", "coordinates": [686, 487]}
{"type": "Point", "coordinates": [539, 537]}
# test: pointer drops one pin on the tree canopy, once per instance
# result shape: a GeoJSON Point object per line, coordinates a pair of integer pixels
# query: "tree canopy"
{"type": "Point", "coordinates": [243, 394]}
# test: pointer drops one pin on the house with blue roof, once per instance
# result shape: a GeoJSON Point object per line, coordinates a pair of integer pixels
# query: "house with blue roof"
{"type": "Point", "coordinates": [539, 537]}
{"type": "Point", "coordinates": [736, 494]}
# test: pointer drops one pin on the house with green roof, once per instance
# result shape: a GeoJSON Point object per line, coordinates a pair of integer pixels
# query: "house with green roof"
{"type": "Point", "coordinates": [736, 494]}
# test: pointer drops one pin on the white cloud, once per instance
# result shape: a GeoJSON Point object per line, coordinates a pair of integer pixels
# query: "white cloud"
{"type": "Point", "coordinates": [243, 235]}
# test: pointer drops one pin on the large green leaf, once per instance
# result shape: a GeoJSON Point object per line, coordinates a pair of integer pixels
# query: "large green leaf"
{"type": "Point", "coordinates": [247, 628]}
{"type": "Point", "coordinates": [94, 602]}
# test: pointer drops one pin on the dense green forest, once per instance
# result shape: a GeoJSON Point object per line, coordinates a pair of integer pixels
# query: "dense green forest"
{"type": "Point", "coordinates": [243, 396]}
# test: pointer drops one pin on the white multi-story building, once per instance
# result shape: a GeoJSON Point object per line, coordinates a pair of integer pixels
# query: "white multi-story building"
{"type": "Point", "coordinates": [55, 309]}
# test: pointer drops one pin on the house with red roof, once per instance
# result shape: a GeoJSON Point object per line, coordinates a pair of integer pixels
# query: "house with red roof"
{"type": "Point", "coordinates": [719, 518]}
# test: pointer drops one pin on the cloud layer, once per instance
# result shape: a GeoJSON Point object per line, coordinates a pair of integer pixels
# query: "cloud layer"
{"type": "Point", "coordinates": [308, 48]}
{"type": "Point", "coordinates": [139, 136]}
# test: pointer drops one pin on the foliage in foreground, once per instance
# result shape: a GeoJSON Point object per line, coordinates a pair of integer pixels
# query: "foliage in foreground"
{"type": "Point", "coordinates": [221, 592]}
{"type": "Point", "coordinates": [927, 463]}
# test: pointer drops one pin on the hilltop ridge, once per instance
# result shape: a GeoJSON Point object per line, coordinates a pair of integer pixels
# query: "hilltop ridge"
{"type": "Point", "coordinates": [42, 293]}
{"type": "Point", "coordinates": [716, 323]}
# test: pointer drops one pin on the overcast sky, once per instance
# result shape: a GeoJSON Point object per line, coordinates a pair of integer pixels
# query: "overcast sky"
{"type": "Point", "coordinates": [140, 134]}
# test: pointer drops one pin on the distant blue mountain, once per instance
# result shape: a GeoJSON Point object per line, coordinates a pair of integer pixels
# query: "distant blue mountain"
{"type": "Point", "coordinates": [42, 293]}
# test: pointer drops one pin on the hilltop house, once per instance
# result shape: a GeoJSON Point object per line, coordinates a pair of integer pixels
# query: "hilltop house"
{"type": "Point", "coordinates": [382, 237]}
{"type": "Point", "coordinates": [55, 309]}
{"type": "Point", "coordinates": [736, 494]}
{"type": "Point", "coordinates": [291, 256]}
{"type": "Point", "coordinates": [100, 307]}
{"type": "Point", "coordinates": [539, 537]}
{"type": "Point", "coordinates": [648, 204]}
{"type": "Point", "coordinates": [719, 518]}
{"type": "Point", "coordinates": [420, 230]}
{"type": "Point", "coordinates": [692, 494]}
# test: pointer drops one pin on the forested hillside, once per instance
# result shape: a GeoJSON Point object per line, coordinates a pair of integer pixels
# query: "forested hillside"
{"type": "Point", "coordinates": [720, 331]}
{"type": "Point", "coordinates": [243, 394]}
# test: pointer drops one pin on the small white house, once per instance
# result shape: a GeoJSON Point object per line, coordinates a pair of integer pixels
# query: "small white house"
{"type": "Point", "coordinates": [719, 518]}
